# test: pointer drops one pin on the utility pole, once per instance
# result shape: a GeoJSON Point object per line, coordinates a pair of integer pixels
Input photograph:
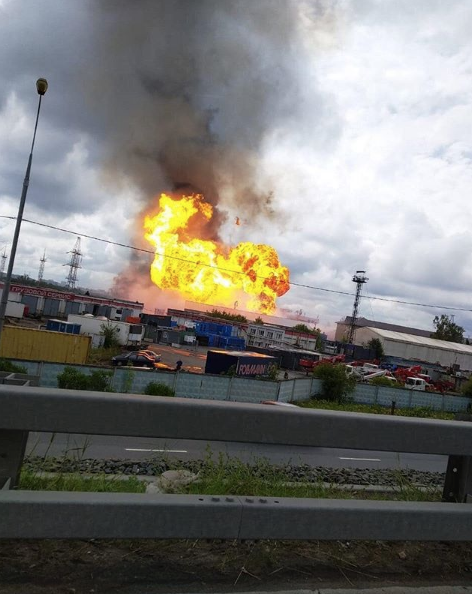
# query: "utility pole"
{"type": "Point", "coordinates": [359, 278]}
{"type": "Point", "coordinates": [41, 87]}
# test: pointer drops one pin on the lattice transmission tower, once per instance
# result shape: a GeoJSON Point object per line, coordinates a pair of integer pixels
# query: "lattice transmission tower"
{"type": "Point", "coordinates": [42, 262]}
{"type": "Point", "coordinates": [74, 264]}
{"type": "Point", "coordinates": [360, 279]}
{"type": "Point", "coordinates": [3, 261]}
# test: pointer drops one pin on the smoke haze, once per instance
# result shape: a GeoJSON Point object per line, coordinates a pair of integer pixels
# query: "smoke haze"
{"type": "Point", "coordinates": [188, 90]}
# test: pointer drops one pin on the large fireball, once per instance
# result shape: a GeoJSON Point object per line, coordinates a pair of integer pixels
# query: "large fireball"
{"type": "Point", "coordinates": [207, 271]}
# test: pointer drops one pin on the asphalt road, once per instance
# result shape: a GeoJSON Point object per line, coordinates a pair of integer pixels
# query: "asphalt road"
{"type": "Point", "coordinates": [134, 448]}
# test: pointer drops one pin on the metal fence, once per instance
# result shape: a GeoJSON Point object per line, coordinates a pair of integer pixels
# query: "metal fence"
{"type": "Point", "coordinates": [106, 515]}
{"type": "Point", "coordinates": [218, 387]}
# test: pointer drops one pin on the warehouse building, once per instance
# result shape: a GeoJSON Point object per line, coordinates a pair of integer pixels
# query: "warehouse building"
{"type": "Point", "coordinates": [47, 302]}
{"type": "Point", "coordinates": [343, 327]}
{"type": "Point", "coordinates": [419, 348]}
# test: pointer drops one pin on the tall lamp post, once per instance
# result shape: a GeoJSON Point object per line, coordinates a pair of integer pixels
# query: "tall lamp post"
{"type": "Point", "coordinates": [42, 87]}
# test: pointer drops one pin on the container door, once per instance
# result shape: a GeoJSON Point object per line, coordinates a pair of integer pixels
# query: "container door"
{"type": "Point", "coordinates": [31, 303]}
{"type": "Point", "coordinates": [51, 307]}
{"type": "Point", "coordinates": [72, 307]}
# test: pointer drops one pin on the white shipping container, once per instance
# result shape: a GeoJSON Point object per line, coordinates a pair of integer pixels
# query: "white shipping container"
{"type": "Point", "coordinates": [92, 326]}
{"type": "Point", "coordinates": [15, 309]}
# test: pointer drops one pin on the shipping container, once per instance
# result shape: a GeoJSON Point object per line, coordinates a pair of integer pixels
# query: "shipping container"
{"type": "Point", "coordinates": [126, 334]}
{"type": "Point", "coordinates": [244, 363]}
{"type": "Point", "coordinates": [42, 345]}
{"type": "Point", "coordinates": [15, 309]}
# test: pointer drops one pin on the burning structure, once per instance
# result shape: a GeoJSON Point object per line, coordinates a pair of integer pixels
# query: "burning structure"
{"type": "Point", "coordinates": [207, 271]}
{"type": "Point", "coordinates": [210, 85]}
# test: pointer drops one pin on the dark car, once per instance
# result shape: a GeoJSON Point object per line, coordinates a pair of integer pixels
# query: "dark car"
{"type": "Point", "coordinates": [137, 359]}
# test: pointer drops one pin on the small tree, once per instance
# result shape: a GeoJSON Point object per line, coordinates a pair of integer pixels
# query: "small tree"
{"type": "Point", "coordinates": [447, 329]}
{"type": "Point", "coordinates": [376, 345]}
{"type": "Point", "coordinates": [336, 385]}
{"type": "Point", "coordinates": [273, 373]}
{"type": "Point", "coordinates": [259, 320]}
{"type": "Point", "coordinates": [110, 333]}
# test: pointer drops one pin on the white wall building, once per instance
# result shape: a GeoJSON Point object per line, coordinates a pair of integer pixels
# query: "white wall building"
{"type": "Point", "coordinates": [265, 335]}
{"type": "Point", "coordinates": [420, 348]}
{"type": "Point", "coordinates": [268, 335]}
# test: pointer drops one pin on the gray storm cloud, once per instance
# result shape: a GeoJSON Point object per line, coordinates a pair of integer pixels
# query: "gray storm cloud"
{"type": "Point", "coordinates": [188, 91]}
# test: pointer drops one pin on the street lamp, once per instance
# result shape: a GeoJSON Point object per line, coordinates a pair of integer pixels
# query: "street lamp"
{"type": "Point", "coordinates": [41, 87]}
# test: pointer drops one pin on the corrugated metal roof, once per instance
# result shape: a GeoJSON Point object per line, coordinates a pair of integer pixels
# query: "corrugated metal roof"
{"type": "Point", "coordinates": [422, 341]}
{"type": "Point", "coordinates": [364, 322]}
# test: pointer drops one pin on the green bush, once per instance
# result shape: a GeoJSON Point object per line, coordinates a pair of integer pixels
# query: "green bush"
{"type": "Point", "coordinates": [467, 388]}
{"type": "Point", "coordinates": [336, 385]}
{"type": "Point", "coordinates": [99, 380]}
{"type": "Point", "coordinates": [383, 382]}
{"type": "Point", "coordinates": [10, 367]}
{"type": "Point", "coordinates": [74, 379]}
{"type": "Point", "coordinates": [158, 389]}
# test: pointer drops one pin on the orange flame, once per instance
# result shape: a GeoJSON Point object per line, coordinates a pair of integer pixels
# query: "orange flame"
{"type": "Point", "coordinates": [207, 271]}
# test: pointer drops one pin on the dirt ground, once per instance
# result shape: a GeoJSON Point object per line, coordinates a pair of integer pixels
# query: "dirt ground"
{"type": "Point", "coordinates": [194, 359]}
{"type": "Point", "coordinates": [132, 567]}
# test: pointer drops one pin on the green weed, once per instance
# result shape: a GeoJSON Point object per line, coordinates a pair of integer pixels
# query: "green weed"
{"type": "Point", "coordinates": [423, 412]}
{"type": "Point", "coordinates": [75, 482]}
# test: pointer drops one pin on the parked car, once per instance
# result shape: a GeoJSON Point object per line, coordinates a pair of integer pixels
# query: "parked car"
{"type": "Point", "coordinates": [137, 359]}
{"type": "Point", "coordinates": [151, 354]}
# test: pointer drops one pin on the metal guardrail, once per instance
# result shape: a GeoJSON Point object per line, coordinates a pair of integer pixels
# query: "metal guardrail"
{"type": "Point", "coordinates": [104, 515]}
{"type": "Point", "coordinates": [35, 514]}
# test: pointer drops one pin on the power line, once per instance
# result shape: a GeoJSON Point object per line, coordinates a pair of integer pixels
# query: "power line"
{"type": "Point", "coordinates": [291, 283]}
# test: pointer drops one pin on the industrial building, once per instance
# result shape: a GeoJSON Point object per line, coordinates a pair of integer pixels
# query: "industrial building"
{"type": "Point", "coordinates": [271, 335]}
{"type": "Point", "coordinates": [255, 335]}
{"type": "Point", "coordinates": [419, 348]}
{"type": "Point", "coordinates": [47, 302]}
{"type": "Point", "coordinates": [343, 326]}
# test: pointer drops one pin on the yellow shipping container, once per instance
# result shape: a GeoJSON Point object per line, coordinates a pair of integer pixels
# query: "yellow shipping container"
{"type": "Point", "coordinates": [43, 345]}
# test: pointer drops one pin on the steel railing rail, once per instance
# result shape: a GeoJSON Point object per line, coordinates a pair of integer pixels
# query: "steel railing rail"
{"type": "Point", "coordinates": [36, 514]}
{"type": "Point", "coordinates": [98, 413]}
{"type": "Point", "coordinates": [103, 515]}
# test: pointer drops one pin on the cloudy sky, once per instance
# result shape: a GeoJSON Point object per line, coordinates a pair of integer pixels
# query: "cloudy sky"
{"type": "Point", "coordinates": [355, 115]}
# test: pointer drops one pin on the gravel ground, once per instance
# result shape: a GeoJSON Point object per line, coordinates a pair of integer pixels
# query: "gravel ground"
{"type": "Point", "coordinates": [303, 473]}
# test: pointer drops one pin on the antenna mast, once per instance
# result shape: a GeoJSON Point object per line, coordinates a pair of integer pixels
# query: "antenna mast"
{"type": "Point", "coordinates": [74, 265]}
{"type": "Point", "coordinates": [359, 278]}
{"type": "Point", "coordinates": [42, 262]}
{"type": "Point", "coordinates": [3, 262]}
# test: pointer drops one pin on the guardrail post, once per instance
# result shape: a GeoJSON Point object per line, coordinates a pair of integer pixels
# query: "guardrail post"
{"type": "Point", "coordinates": [12, 451]}
{"type": "Point", "coordinates": [458, 483]}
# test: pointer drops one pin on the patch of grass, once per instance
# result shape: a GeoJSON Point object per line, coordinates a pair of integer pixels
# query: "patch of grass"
{"type": "Point", "coordinates": [103, 356]}
{"type": "Point", "coordinates": [158, 389]}
{"type": "Point", "coordinates": [233, 477]}
{"type": "Point", "coordinates": [75, 482]}
{"type": "Point", "coordinates": [423, 412]}
{"type": "Point", "coordinates": [9, 367]}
